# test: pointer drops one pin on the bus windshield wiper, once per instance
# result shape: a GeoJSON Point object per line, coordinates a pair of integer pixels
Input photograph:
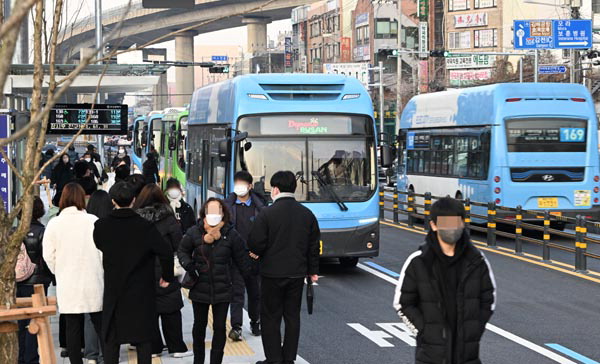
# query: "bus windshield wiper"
{"type": "Point", "coordinates": [325, 185]}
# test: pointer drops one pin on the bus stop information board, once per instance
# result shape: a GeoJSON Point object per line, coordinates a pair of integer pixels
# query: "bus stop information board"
{"type": "Point", "coordinates": [104, 119]}
{"type": "Point", "coordinates": [553, 34]}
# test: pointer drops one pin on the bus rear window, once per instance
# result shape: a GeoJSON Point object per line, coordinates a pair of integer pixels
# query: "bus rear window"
{"type": "Point", "coordinates": [546, 135]}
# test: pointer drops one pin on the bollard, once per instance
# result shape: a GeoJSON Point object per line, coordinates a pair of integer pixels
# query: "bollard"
{"type": "Point", "coordinates": [468, 215]}
{"type": "Point", "coordinates": [427, 211]}
{"type": "Point", "coordinates": [578, 243]}
{"type": "Point", "coordinates": [583, 244]}
{"type": "Point", "coordinates": [381, 205]}
{"type": "Point", "coordinates": [546, 237]}
{"type": "Point", "coordinates": [519, 231]}
{"type": "Point", "coordinates": [411, 208]}
{"type": "Point", "coordinates": [396, 205]}
{"type": "Point", "coordinates": [491, 224]}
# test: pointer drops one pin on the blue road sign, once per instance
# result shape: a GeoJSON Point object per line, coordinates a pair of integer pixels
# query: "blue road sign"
{"type": "Point", "coordinates": [551, 70]}
{"type": "Point", "coordinates": [552, 34]}
{"type": "Point", "coordinates": [4, 169]}
{"type": "Point", "coordinates": [219, 58]}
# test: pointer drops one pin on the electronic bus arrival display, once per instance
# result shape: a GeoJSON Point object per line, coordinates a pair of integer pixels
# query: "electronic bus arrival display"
{"type": "Point", "coordinates": [104, 119]}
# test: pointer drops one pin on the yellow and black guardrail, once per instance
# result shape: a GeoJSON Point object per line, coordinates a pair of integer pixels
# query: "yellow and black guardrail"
{"type": "Point", "coordinates": [536, 220]}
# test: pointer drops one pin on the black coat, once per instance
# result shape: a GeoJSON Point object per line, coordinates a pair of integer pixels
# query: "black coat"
{"type": "Point", "coordinates": [130, 245]}
{"type": "Point", "coordinates": [61, 175]}
{"type": "Point", "coordinates": [186, 216]}
{"type": "Point", "coordinates": [286, 237]}
{"type": "Point", "coordinates": [211, 263]}
{"type": "Point", "coordinates": [257, 202]}
{"type": "Point", "coordinates": [33, 245]}
{"type": "Point", "coordinates": [420, 303]}
{"type": "Point", "coordinates": [168, 299]}
{"type": "Point", "coordinates": [150, 171]}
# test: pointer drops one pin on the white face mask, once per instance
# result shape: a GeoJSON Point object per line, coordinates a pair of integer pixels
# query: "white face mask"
{"type": "Point", "coordinates": [241, 189]}
{"type": "Point", "coordinates": [174, 193]}
{"type": "Point", "coordinates": [213, 219]}
{"type": "Point", "coordinates": [88, 160]}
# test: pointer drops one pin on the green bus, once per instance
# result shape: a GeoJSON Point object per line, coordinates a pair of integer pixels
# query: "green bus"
{"type": "Point", "coordinates": [175, 124]}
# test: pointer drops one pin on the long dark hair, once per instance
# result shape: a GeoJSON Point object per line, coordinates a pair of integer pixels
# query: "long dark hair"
{"type": "Point", "coordinates": [100, 204]}
{"type": "Point", "coordinates": [226, 215]}
{"type": "Point", "coordinates": [151, 194]}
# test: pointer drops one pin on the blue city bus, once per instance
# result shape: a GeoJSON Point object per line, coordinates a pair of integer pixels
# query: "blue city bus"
{"type": "Point", "coordinates": [147, 134]}
{"type": "Point", "coordinates": [319, 127]}
{"type": "Point", "coordinates": [528, 144]}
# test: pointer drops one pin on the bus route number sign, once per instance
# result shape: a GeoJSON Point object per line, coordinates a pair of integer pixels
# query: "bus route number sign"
{"type": "Point", "coordinates": [102, 119]}
{"type": "Point", "coordinates": [572, 135]}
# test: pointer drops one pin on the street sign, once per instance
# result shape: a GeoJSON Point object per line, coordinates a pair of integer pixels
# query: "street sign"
{"type": "Point", "coordinates": [552, 34]}
{"type": "Point", "coordinates": [551, 70]}
{"type": "Point", "coordinates": [423, 39]}
{"type": "Point", "coordinates": [458, 61]}
{"type": "Point", "coordinates": [356, 70]}
{"type": "Point", "coordinates": [4, 169]}
{"type": "Point", "coordinates": [219, 58]}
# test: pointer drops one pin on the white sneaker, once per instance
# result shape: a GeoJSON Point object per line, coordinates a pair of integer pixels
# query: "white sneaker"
{"type": "Point", "coordinates": [130, 347]}
{"type": "Point", "coordinates": [156, 355]}
{"type": "Point", "coordinates": [183, 355]}
{"type": "Point", "coordinates": [92, 361]}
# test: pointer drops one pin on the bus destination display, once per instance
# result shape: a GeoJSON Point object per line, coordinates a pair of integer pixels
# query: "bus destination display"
{"type": "Point", "coordinates": [561, 135]}
{"type": "Point", "coordinates": [104, 119]}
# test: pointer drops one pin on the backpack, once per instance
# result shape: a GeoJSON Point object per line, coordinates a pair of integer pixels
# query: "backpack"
{"type": "Point", "coordinates": [25, 267]}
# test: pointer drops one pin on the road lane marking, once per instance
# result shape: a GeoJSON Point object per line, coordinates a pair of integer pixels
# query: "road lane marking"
{"type": "Point", "coordinates": [573, 354]}
{"type": "Point", "coordinates": [483, 246]}
{"type": "Point", "coordinates": [382, 269]}
{"type": "Point", "coordinates": [377, 336]}
{"type": "Point", "coordinates": [401, 331]}
{"type": "Point", "coordinates": [510, 336]}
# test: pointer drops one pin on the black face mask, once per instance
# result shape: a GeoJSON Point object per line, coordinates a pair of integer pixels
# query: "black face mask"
{"type": "Point", "coordinates": [450, 236]}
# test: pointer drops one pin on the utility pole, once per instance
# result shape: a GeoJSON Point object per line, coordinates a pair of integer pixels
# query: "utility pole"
{"type": "Point", "coordinates": [399, 65]}
{"type": "Point", "coordinates": [381, 93]}
{"type": "Point", "coordinates": [99, 48]}
{"type": "Point", "coordinates": [575, 59]}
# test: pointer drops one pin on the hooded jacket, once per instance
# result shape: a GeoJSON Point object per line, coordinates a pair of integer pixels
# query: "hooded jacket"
{"type": "Point", "coordinates": [168, 299]}
{"type": "Point", "coordinates": [423, 304]}
{"type": "Point", "coordinates": [211, 263]}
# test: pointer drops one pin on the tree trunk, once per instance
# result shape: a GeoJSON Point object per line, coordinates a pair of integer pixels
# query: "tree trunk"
{"type": "Point", "coordinates": [9, 345]}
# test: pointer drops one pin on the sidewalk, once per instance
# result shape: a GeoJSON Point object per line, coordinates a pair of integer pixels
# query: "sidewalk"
{"type": "Point", "coordinates": [248, 351]}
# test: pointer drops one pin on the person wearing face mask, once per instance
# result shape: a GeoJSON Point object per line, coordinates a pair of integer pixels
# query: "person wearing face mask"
{"type": "Point", "coordinates": [89, 159]}
{"type": "Point", "coordinates": [62, 174]}
{"type": "Point", "coordinates": [207, 252]}
{"type": "Point", "coordinates": [244, 205]}
{"type": "Point", "coordinates": [121, 159]}
{"type": "Point", "coordinates": [183, 211]}
{"type": "Point", "coordinates": [446, 292]}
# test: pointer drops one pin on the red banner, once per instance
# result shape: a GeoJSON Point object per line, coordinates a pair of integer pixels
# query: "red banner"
{"type": "Point", "coordinates": [346, 49]}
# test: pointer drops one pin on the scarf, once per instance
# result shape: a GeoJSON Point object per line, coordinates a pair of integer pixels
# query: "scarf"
{"type": "Point", "coordinates": [213, 233]}
{"type": "Point", "coordinates": [284, 194]}
{"type": "Point", "coordinates": [175, 204]}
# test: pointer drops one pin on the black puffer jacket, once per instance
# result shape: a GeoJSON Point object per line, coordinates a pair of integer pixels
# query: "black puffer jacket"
{"type": "Point", "coordinates": [420, 303]}
{"type": "Point", "coordinates": [33, 244]}
{"type": "Point", "coordinates": [168, 299]}
{"type": "Point", "coordinates": [212, 263]}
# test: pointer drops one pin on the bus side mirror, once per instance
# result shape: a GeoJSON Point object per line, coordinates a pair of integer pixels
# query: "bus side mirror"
{"type": "Point", "coordinates": [385, 156]}
{"type": "Point", "coordinates": [224, 150]}
{"type": "Point", "coordinates": [172, 142]}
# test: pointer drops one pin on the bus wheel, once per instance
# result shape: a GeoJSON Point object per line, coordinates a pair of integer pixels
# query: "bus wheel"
{"type": "Point", "coordinates": [348, 262]}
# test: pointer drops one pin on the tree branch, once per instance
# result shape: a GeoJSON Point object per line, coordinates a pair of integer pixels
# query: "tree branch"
{"type": "Point", "coordinates": [12, 167]}
{"type": "Point", "coordinates": [19, 12]}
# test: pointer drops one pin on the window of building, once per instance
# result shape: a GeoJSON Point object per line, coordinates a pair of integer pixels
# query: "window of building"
{"type": "Point", "coordinates": [411, 36]}
{"type": "Point", "coordinates": [480, 4]}
{"type": "Point", "coordinates": [457, 5]}
{"type": "Point", "coordinates": [596, 6]}
{"type": "Point", "coordinates": [386, 28]}
{"type": "Point", "coordinates": [459, 40]}
{"type": "Point", "coordinates": [486, 38]}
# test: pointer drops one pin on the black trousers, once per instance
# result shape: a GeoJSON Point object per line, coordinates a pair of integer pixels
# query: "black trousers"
{"type": "Point", "coordinates": [219, 312]}
{"type": "Point", "coordinates": [112, 348]}
{"type": "Point", "coordinates": [28, 344]}
{"type": "Point", "coordinates": [172, 330]}
{"type": "Point", "coordinates": [281, 298]}
{"type": "Point", "coordinates": [74, 332]}
{"type": "Point", "coordinates": [242, 285]}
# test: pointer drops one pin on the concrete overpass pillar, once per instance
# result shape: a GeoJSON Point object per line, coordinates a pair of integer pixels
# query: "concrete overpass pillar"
{"type": "Point", "coordinates": [257, 33]}
{"type": "Point", "coordinates": [184, 76]}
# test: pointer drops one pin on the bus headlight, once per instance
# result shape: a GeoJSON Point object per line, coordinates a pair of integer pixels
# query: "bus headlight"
{"type": "Point", "coordinates": [369, 245]}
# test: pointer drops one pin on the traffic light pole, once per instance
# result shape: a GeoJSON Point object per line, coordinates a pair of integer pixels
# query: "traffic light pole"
{"type": "Point", "coordinates": [100, 50]}
{"type": "Point", "coordinates": [381, 94]}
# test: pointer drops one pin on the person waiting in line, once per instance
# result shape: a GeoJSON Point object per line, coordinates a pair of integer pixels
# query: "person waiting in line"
{"type": "Point", "coordinates": [150, 169]}
{"type": "Point", "coordinates": [99, 205]}
{"type": "Point", "coordinates": [91, 149]}
{"type": "Point", "coordinates": [206, 253]}
{"type": "Point", "coordinates": [121, 159]}
{"type": "Point", "coordinates": [73, 155]}
{"type": "Point", "coordinates": [137, 182]}
{"type": "Point", "coordinates": [69, 251]}
{"type": "Point", "coordinates": [28, 345]}
{"type": "Point", "coordinates": [84, 177]}
{"type": "Point", "coordinates": [285, 238]}
{"type": "Point", "coordinates": [47, 172]}
{"type": "Point", "coordinates": [446, 292]}
{"type": "Point", "coordinates": [62, 174]}
{"type": "Point", "coordinates": [121, 173]}
{"type": "Point", "coordinates": [89, 159]}
{"type": "Point", "coordinates": [130, 245]}
{"type": "Point", "coordinates": [183, 211]}
{"type": "Point", "coordinates": [153, 206]}
{"type": "Point", "coordinates": [244, 205]}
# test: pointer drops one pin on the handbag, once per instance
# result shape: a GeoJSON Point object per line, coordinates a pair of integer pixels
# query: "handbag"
{"type": "Point", "coordinates": [310, 295]}
{"type": "Point", "coordinates": [189, 280]}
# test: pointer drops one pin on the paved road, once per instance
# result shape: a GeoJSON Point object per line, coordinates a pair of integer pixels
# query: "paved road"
{"type": "Point", "coordinates": [354, 322]}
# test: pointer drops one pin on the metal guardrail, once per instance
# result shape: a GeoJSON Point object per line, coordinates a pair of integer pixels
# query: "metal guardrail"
{"type": "Point", "coordinates": [545, 218]}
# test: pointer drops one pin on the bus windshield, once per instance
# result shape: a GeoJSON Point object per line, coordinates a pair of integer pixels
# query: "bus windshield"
{"type": "Point", "coordinates": [346, 163]}
{"type": "Point", "coordinates": [546, 135]}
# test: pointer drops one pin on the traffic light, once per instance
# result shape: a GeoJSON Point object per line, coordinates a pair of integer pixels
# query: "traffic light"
{"type": "Point", "coordinates": [439, 53]}
{"type": "Point", "coordinates": [387, 52]}
{"type": "Point", "coordinates": [219, 69]}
